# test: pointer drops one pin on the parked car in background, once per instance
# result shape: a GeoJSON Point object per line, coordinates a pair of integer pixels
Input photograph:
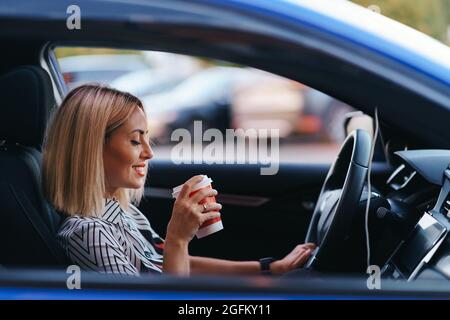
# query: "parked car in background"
{"type": "Point", "coordinates": [323, 116]}
{"type": "Point", "coordinates": [225, 97]}
{"type": "Point", "coordinates": [105, 68]}
{"type": "Point", "coordinates": [166, 71]}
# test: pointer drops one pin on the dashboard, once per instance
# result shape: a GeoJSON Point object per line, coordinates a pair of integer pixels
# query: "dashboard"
{"type": "Point", "coordinates": [423, 178]}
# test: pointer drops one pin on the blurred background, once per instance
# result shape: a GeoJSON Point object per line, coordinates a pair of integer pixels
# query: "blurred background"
{"type": "Point", "coordinates": [177, 89]}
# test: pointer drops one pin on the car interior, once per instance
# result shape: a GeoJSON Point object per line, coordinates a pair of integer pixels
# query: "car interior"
{"type": "Point", "coordinates": [278, 203]}
{"type": "Point", "coordinates": [263, 215]}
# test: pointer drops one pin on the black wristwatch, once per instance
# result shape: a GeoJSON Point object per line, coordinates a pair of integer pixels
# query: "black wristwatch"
{"type": "Point", "coordinates": [265, 265]}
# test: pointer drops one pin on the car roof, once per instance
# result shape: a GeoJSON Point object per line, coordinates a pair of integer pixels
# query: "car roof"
{"type": "Point", "coordinates": [361, 26]}
{"type": "Point", "coordinates": [340, 18]}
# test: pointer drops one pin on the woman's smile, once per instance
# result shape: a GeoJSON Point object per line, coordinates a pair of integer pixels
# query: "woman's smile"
{"type": "Point", "coordinates": [140, 169]}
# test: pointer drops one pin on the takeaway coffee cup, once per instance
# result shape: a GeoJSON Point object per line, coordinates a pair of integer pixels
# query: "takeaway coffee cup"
{"type": "Point", "coordinates": [209, 226]}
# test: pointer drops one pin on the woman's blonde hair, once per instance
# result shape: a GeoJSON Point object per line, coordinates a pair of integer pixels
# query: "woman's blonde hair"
{"type": "Point", "coordinates": [73, 171]}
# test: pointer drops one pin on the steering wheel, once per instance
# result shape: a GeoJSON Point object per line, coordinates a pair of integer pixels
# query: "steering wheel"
{"type": "Point", "coordinates": [336, 206]}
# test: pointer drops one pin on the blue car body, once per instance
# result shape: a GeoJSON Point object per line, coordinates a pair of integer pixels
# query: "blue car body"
{"type": "Point", "coordinates": [341, 31]}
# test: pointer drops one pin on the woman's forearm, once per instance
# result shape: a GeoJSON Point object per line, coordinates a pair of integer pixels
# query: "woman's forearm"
{"type": "Point", "coordinates": [176, 258]}
{"type": "Point", "coordinates": [202, 265]}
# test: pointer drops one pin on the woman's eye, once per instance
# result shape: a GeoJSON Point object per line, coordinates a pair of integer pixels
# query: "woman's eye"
{"type": "Point", "coordinates": [135, 143]}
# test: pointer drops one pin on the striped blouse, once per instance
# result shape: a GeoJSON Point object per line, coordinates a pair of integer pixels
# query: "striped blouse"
{"type": "Point", "coordinates": [121, 242]}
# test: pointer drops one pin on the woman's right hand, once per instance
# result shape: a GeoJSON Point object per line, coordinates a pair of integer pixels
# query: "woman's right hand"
{"type": "Point", "coordinates": [187, 214]}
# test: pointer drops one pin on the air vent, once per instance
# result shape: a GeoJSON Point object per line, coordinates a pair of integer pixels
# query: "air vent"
{"type": "Point", "coordinates": [401, 177]}
{"type": "Point", "coordinates": [445, 209]}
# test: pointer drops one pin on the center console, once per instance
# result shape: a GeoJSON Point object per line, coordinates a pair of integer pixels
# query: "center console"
{"type": "Point", "coordinates": [420, 251]}
{"type": "Point", "coordinates": [413, 254]}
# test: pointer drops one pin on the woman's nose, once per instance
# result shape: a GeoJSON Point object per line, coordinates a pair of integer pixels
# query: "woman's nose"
{"type": "Point", "coordinates": [147, 152]}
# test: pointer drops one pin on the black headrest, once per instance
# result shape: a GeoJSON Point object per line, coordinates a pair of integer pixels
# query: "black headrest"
{"type": "Point", "coordinates": [26, 98]}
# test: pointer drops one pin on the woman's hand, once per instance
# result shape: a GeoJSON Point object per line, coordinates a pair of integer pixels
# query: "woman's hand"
{"type": "Point", "coordinates": [293, 260]}
{"type": "Point", "coordinates": [188, 215]}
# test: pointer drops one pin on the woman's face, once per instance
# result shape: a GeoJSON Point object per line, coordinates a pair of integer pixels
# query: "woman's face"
{"type": "Point", "coordinates": [126, 154]}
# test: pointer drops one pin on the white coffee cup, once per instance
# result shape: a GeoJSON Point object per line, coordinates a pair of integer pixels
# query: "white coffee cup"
{"type": "Point", "coordinates": [209, 226]}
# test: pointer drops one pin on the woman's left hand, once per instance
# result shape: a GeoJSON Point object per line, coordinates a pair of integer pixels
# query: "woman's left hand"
{"type": "Point", "coordinates": [293, 260]}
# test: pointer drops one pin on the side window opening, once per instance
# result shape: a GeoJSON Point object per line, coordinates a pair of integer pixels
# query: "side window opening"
{"type": "Point", "coordinates": [178, 91]}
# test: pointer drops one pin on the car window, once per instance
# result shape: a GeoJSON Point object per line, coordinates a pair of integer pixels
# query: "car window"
{"type": "Point", "coordinates": [196, 94]}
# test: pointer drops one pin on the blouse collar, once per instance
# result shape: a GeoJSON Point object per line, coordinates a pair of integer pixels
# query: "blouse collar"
{"type": "Point", "coordinates": [112, 211]}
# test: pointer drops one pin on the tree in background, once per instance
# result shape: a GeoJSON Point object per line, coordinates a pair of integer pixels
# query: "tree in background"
{"type": "Point", "coordinates": [431, 17]}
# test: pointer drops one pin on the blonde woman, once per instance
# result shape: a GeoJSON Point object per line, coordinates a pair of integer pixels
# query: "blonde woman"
{"type": "Point", "coordinates": [95, 164]}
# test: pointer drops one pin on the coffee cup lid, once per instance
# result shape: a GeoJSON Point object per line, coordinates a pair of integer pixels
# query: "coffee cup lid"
{"type": "Point", "coordinates": [206, 181]}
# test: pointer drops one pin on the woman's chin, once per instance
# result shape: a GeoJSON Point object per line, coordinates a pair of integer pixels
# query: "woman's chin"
{"type": "Point", "coordinates": [136, 184]}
